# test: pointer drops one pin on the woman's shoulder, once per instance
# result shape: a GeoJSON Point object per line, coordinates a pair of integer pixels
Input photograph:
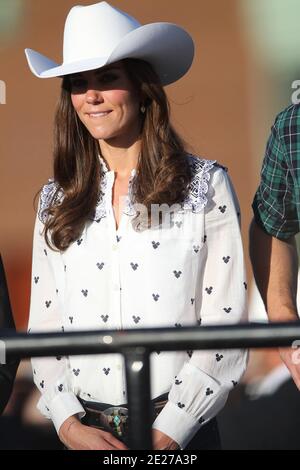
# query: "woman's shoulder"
{"type": "Point", "coordinates": [204, 172]}
{"type": "Point", "coordinates": [50, 193]}
{"type": "Point", "coordinates": [202, 166]}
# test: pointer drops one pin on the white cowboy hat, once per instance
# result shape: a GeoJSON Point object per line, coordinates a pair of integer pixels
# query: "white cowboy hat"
{"type": "Point", "coordinates": [99, 34]}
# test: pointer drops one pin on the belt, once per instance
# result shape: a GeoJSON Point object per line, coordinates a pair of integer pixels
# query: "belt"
{"type": "Point", "coordinates": [114, 419]}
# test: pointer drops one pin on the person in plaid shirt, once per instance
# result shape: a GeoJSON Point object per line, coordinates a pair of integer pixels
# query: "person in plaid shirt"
{"type": "Point", "coordinates": [276, 221]}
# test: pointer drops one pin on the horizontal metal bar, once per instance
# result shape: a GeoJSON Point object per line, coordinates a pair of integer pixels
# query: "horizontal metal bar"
{"type": "Point", "coordinates": [161, 339]}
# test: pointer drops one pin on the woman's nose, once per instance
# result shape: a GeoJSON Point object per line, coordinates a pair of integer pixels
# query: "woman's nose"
{"type": "Point", "coordinates": [94, 96]}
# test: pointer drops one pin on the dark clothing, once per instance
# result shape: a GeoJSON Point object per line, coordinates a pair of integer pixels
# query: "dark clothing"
{"type": "Point", "coordinates": [270, 422]}
{"type": "Point", "coordinates": [7, 371]}
{"type": "Point", "coordinates": [207, 438]}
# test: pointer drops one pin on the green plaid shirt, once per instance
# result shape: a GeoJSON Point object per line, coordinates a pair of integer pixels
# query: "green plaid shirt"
{"type": "Point", "coordinates": [276, 204]}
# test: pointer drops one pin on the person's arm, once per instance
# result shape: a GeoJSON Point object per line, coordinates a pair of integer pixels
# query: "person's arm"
{"type": "Point", "coordinates": [272, 245]}
{"type": "Point", "coordinates": [203, 384]}
{"type": "Point", "coordinates": [275, 267]}
{"type": "Point", "coordinates": [57, 402]}
{"type": "Point", "coordinates": [8, 370]}
{"type": "Point", "coordinates": [51, 375]}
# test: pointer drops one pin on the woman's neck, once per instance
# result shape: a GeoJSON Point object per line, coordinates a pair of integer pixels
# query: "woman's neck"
{"type": "Point", "coordinates": [121, 159]}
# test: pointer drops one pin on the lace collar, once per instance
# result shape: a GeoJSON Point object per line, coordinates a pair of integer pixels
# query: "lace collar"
{"type": "Point", "coordinates": [100, 211]}
{"type": "Point", "coordinates": [195, 201]}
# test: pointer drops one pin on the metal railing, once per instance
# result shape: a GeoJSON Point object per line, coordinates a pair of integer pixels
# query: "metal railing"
{"type": "Point", "coordinates": [136, 347]}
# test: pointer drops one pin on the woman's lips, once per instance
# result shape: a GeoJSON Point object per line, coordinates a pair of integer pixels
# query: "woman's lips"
{"type": "Point", "coordinates": [99, 115]}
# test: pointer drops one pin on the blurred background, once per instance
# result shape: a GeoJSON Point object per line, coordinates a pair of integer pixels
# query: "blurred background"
{"type": "Point", "coordinates": [247, 58]}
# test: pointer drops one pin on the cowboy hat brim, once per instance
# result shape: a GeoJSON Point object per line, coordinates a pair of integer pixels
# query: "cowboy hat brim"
{"type": "Point", "coordinates": [166, 46]}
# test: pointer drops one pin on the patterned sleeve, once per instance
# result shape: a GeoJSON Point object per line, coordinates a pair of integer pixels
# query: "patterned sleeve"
{"type": "Point", "coordinates": [51, 375]}
{"type": "Point", "coordinates": [203, 384]}
{"type": "Point", "coordinates": [275, 205]}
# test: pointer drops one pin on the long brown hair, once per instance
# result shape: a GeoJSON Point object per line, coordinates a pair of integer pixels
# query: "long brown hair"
{"type": "Point", "coordinates": [162, 175]}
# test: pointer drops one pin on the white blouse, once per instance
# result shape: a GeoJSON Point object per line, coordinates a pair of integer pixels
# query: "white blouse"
{"type": "Point", "coordinates": [190, 272]}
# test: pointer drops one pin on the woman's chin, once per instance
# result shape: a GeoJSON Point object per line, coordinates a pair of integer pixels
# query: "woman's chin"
{"type": "Point", "coordinates": [100, 135]}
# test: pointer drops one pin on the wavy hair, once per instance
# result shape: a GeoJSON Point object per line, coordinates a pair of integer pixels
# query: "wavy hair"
{"type": "Point", "coordinates": [162, 174]}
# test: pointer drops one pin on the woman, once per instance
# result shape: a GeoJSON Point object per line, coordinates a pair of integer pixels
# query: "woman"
{"type": "Point", "coordinates": [133, 232]}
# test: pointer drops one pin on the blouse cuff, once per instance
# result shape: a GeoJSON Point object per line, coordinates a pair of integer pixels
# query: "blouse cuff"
{"type": "Point", "coordinates": [63, 406]}
{"type": "Point", "coordinates": [177, 424]}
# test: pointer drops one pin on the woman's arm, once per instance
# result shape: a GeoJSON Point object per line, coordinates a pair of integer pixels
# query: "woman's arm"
{"type": "Point", "coordinates": [51, 375]}
{"type": "Point", "coordinates": [58, 401]}
{"type": "Point", "coordinates": [202, 386]}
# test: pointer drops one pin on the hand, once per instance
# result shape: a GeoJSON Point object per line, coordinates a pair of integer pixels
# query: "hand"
{"type": "Point", "coordinates": [290, 356]}
{"type": "Point", "coordinates": [77, 436]}
{"type": "Point", "coordinates": [163, 442]}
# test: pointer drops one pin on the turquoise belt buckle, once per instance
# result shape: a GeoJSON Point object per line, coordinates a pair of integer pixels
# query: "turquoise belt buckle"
{"type": "Point", "coordinates": [116, 417]}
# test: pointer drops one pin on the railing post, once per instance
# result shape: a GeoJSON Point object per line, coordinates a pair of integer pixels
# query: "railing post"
{"type": "Point", "coordinates": [139, 399]}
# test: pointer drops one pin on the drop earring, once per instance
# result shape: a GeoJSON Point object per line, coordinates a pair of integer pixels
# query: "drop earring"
{"type": "Point", "coordinates": [143, 109]}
